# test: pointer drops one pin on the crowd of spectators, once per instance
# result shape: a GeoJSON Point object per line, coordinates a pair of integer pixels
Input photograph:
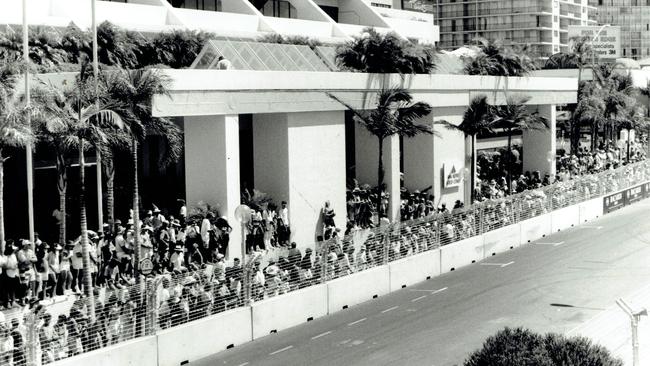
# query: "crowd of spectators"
{"type": "Point", "coordinates": [190, 277]}
{"type": "Point", "coordinates": [492, 180]}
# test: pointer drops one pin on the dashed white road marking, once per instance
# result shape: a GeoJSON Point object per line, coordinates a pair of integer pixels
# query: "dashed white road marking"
{"type": "Point", "coordinates": [589, 227]}
{"type": "Point", "coordinates": [553, 244]}
{"type": "Point", "coordinates": [321, 335]}
{"type": "Point", "coordinates": [280, 350]}
{"type": "Point", "coordinates": [419, 298]}
{"type": "Point", "coordinates": [243, 364]}
{"type": "Point", "coordinates": [439, 290]}
{"type": "Point", "coordinates": [389, 309]}
{"type": "Point", "coordinates": [357, 322]}
{"type": "Point", "coordinates": [498, 264]}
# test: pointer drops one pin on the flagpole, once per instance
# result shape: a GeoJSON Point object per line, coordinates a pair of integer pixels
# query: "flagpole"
{"type": "Point", "coordinates": [28, 150]}
{"type": "Point", "coordinates": [98, 167]}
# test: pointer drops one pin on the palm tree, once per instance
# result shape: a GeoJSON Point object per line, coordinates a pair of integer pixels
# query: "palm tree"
{"type": "Point", "coordinates": [14, 132]}
{"type": "Point", "coordinates": [135, 90]}
{"type": "Point", "coordinates": [373, 52]}
{"type": "Point", "coordinates": [395, 114]}
{"type": "Point", "coordinates": [478, 118]}
{"type": "Point", "coordinates": [87, 120]}
{"type": "Point", "coordinates": [513, 116]}
{"type": "Point", "coordinates": [577, 57]}
{"type": "Point", "coordinates": [495, 59]}
{"type": "Point", "coordinates": [589, 111]}
{"type": "Point", "coordinates": [55, 132]}
{"type": "Point", "coordinates": [117, 141]}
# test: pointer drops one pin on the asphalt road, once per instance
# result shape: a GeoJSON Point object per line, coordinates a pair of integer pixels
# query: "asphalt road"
{"type": "Point", "coordinates": [556, 284]}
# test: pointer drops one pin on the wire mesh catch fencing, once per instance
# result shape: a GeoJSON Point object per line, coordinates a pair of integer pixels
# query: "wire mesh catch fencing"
{"type": "Point", "coordinates": [122, 313]}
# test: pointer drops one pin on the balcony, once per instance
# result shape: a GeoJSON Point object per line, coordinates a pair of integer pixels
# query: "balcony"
{"type": "Point", "coordinates": [496, 11]}
{"type": "Point", "coordinates": [410, 24]}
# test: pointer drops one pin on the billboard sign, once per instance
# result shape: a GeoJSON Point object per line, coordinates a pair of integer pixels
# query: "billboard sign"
{"type": "Point", "coordinates": [452, 175]}
{"type": "Point", "coordinates": [634, 194]}
{"type": "Point", "coordinates": [606, 45]}
{"type": "Point", "coordinates": [613, 202]}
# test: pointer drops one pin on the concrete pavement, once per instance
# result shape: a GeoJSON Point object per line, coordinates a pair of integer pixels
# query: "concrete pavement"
{"type": "Point", "coordinates": [557, 284]}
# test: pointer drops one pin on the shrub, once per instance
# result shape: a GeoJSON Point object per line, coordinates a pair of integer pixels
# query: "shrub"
{"type": "Point", "coordinates": [511, 347]}
{"type": "Point", "coordinates": [578, 351]}
{"type": "Point", "coordinates": [522, 347]}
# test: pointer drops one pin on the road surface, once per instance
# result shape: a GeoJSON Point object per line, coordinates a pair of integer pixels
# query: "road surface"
{"type": "Point", "coordinates": [557, 284]}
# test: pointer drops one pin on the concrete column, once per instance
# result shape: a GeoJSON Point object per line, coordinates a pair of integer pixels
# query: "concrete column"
{"type": "Point", "coordinates": [212, 168]}
{"type": "Point", "coordinates": [427, 156]}
{"type": "Point", "coordinates": [300, 158]}
{"type": "Point", "coordinates": [367, 158]}
{"type": "Point", "coordinates": [539, 146]}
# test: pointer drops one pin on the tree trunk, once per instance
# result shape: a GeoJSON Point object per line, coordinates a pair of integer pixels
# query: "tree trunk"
{"type": "Point", "coordinates": [509, 162]}
{"type": "Point", "coordinates": [380, 177]}
{"type": "Point", "coordinates": [472, 167]}
{"type": "Point", "coordinates": [136, 212]}
{"type": "Point", "coordinates": [109, 172]}
{"type": "Point", "coordinates": [2, 207]}
{"type": "Point", "coordinates": [62, 186]}
{"type": "Point", "coordinates": [85, 246]}
{"type": "Point", "coordinates": [594, 136]}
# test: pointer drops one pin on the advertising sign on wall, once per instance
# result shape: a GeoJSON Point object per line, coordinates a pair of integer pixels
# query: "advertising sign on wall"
{"type": "Point", "coordinates": [606, 45]}
{"type": "Point", "coordinates": [452, 175]}
{"type": "Point", "coordinates": [613, 202]}
{"type": "Point", "coordinates": [634, 194]}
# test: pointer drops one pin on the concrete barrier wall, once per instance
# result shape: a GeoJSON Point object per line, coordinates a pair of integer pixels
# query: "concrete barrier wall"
{"type": "Point", "coordinates": [565, 218]}
{"type": "Point", "coordinates": [591, 209]}
{"type": "Point", "coordinates": [461, 253]}
{"type": "Point", "coordinates": [501, 240]}
{"type": "Point", "coordinates": [138, 352]}
{"type": "Point", "coordinates": [201, 338]}
{"type": "Point", "coordinates": [535, 228]}
{"type": "Point", "coordinates": [289, 310]}
{"type": "Point", "coordinates": [411, 270]}
{"type": "Point", "coordinates": [357, 288]}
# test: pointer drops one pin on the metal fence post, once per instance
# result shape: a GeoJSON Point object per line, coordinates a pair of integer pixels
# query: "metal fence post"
{"type": "Point", "coordinates": [386, 244]}
{"type": "Point", "coordinates": [32, 344]}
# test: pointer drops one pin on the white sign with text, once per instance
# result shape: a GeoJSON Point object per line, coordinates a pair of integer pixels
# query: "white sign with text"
{"type": "Point", "coordinates": [606, 45]}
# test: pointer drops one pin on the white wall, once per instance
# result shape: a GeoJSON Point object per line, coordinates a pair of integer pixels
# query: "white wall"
{"type": "Point", "coordinates": [138, 352]}
{"type": "Point", "coordinates": [212, 168]}
{"type": "Point", "coordinates": [539, 146]}
{"type": "Point", "coordinates": [215, 21]}
{"type": "Point", "coordinates": [300, 158]}
{"type": "Point", "coordinates": [270, 155]}
{"type": "Point", "coordinates": [316, 171]}
{"type": "Point", "coordinates": [300, 27]}
{"type": "Point", "coordinates": [426, 155]}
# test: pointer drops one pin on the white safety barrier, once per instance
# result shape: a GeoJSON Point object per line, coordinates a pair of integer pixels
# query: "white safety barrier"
{"type": "Point", "coordinates": [591, 209]}
{"type": "Point", "coordinates": [414, 269]}
{"type": "Point", "coordinates": [461, 253]}
{"type": "Point", "coordinates": [357, 288]}
{"type": "Point", "coordinates": [286, 311]}
{"type": "Point", "coordinates": [138, 352]}
{"type": "Point", "coordinates": [201, 338]}
{"type": "Point", "coordinates": [501, 240]}
{"type": "Point", "coordinates": [565, 218]}
{"type": "Point", "coordinates": [535, 228]}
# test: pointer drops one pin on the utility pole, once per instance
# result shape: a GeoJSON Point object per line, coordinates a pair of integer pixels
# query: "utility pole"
{"type": "Point", "coordinates": [100, 198]}
{"type": "Point", "coordinates": [28, 150]}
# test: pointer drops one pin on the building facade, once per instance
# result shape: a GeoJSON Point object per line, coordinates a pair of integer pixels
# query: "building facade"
{"type": "Point", "coordinates": [542, 24]}
{"type": "Point", "coordinates": [332, 21]}
{"type": "Point", "coordinates": [633, 16]}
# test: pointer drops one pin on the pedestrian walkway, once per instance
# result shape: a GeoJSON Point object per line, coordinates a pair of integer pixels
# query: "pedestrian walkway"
{"type": "Point", "coordinates": [612, 329]}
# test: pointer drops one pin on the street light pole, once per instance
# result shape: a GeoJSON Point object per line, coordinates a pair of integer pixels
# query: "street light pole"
{"type": "Point", "coordinates": [635, 317]}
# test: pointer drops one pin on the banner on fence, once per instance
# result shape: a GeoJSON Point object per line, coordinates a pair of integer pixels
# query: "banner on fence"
{"type": "Point", "coordinates": [613, 202]}
{"type": "Point", "coordinates": [634, 194]}
{"type": "Point", "coordinates": [646, 190]}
